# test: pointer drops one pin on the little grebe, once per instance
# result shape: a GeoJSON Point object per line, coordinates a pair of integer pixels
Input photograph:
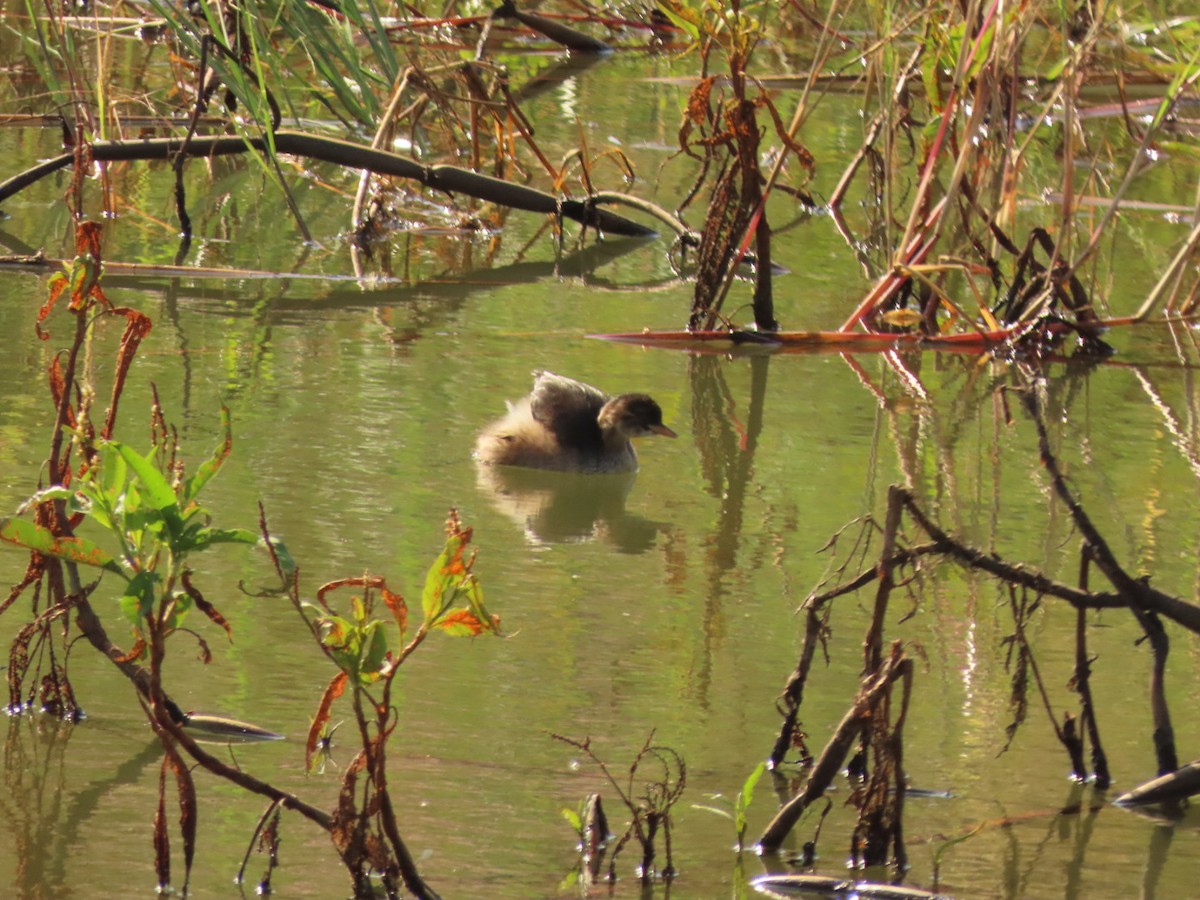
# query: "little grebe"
{"type": "Point", "coordinates": [569, 426]}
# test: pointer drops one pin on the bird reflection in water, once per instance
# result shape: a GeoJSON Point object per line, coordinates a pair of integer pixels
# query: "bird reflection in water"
{"type": "Point", "coordinates": [565, 507]}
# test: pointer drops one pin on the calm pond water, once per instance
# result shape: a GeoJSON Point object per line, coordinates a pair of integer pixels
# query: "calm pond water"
{"type": "Point", "coordinates": [668, 609]}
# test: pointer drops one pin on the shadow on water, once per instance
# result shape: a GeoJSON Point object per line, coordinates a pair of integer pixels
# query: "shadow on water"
{"type": "Point", "coordinates": [280, 296]}
{"type": "Point", "coordinates": [44, 815]}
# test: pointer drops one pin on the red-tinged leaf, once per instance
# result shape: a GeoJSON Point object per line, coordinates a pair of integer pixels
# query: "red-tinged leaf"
{"type": "Point", "coordinates": [203, 605]}
{"type": "Point", "coordinates": [187, 806]}
{"type": "Point", "coordinates": [443, 573]}
{"type": "Point", "coordinates": [34, 537]}
{"type": "Point", "coordinates": [84, 277]}
{"type": "Point", "coordinates": [377, 853]}
{"type": "Point", "coordinates": [474, 595]}
{"type": "Point", "coordinates": [135, 653]}
{"type": "Point", "coordinates": [162, 838]}
{"type": "Point", "coordinates": [332, 692]}
{"type": "Point", "coordinates": [58, 384]}
{"type": "Point", "coordinates": [361, 581]}
{"type": "Point", "coordinates": [87, 238]}
{"type": "Point", "coordinates": [461, 622]}
{"type": "Point", "coordinates": [205, 652]}
{"type": "Point", "coordinates": [58, 284]}
{"type": "Point", "coordinates": [137, 327]}
{"type": "Point", "coordinates": [398, 607]}
{"type": "Point", "coordinates": [345, 816]}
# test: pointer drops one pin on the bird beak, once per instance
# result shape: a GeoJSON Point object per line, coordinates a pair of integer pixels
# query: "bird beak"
{"type": "Point", "coordinates": [663, 430]}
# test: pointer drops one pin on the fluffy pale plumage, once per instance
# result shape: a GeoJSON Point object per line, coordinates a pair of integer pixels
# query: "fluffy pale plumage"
{"type": "Point", "coordinates": [569, 426]}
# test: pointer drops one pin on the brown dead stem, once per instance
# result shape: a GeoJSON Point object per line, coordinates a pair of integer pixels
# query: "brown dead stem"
{"type": "Point", "coordinates": [866, 704]}
{"type": "Point", "coordinates": [1148, 605]}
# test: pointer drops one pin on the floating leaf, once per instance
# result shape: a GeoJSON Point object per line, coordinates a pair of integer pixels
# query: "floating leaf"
{"type": "Point", "coordinates": [228, 730]}
{"type": "Point", "coordinates": [902, 318]}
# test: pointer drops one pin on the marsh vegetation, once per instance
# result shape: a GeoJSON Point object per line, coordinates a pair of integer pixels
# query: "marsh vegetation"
{"type": "Point", "coordinates": [309, 247]}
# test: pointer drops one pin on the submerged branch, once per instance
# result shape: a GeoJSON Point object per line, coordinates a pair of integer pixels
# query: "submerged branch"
{"type": "Point", "coordinates": [836, 750]}
{"type": "Point", "coordinates": [170, 720]}
{"type": "Point", "coordinates": [1179, 611]}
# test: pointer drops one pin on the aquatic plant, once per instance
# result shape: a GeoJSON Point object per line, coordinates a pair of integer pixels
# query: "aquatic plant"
{"type": "Point", "coordinates": [146, 506]}
{"type": "Point", "coordinates": [648, 800]}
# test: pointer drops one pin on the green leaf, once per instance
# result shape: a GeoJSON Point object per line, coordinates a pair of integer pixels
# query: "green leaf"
{"type": "Point", "coordinates": [131, 608]}
{"type": "Point", "coordinates": [376, 642]}
{"type": "Point", "coordinates": [137, 520]}
{"type": "Point", "coordinates": [206, 537]}
{"type": "Point", "coordinates": [343, 641]}
{"type": "Point", "coordinates": [1054, 72]}
{"type": "Point", "coordinates": [157, 490]}
{"type": "Point", "coordinates": [473, 589]}
{"type": "Point", "coordinates": [573, 817]}
{"type": "Point", "coordinates": [746, 797]}
{"type": "Point", "coordinates": [35, 537]}
{"type": "Point", "coordinates": [58, 492]}
{"type": "Point", "coordinates": [286, 563]}
{"type": "Point", "coordinates": [138, 602]}
{"type": "Point", "coordinates": [335, 632]}
{"type": "Point", "coordinates": [684, 18]}
{"type": "Point", "coordinates": [446, 571]}
{"type": "Point", "coordinates": [212, 465]}
{"type": "Point", "coordinates": [113, 472]}
{"type": "Point", "coordinates": [1179, 148]}
{"type": "Point", "coordinates": [181, 606]}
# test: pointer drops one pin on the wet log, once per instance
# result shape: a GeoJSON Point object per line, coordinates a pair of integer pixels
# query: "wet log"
{"type": "Point", "coordinates": [225, 730]}
{"type": "Point", "coordinates": [1182, 783]}
{"type": "Point", "coordinates": [788, 886]}
{"type": "Point", "coordinates": [344, 153]}
{"type": "Point", "coordinates": [561, 34]}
